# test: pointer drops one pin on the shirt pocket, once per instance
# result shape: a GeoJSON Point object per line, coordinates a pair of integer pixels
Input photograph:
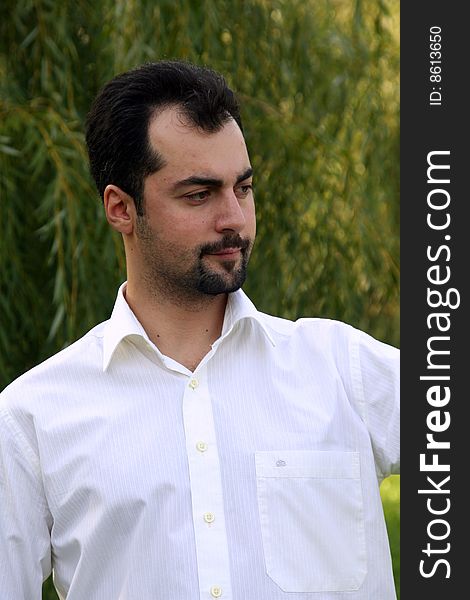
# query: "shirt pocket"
{"type": "Point", "coordinates": [311, 514]}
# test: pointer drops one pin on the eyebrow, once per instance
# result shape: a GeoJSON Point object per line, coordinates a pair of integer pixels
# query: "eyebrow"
{"type": "Point", "coordinates": [210, 181]}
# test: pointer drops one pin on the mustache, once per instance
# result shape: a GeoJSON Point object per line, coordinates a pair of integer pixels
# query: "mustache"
{"type": "Point", "coordinates": [228, 241]}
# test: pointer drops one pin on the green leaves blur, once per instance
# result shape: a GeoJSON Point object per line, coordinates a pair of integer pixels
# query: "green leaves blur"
{"type": "Point", "coordinates": [318, 82]}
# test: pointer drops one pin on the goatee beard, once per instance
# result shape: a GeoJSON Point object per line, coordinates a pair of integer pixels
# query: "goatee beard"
{"type": "Point", "coordinates": [212, 283]}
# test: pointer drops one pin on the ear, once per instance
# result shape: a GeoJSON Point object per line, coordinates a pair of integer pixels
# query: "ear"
{"type": "Point", "coordinates": [120, 209]}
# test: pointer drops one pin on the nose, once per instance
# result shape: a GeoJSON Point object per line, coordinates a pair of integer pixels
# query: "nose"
{"type": "Point", "coordinates": [230, 215]}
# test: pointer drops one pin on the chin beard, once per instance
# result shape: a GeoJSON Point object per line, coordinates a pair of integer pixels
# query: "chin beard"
{"type": "Point", "coordinates": [215, 283]}
{"type": "Point", "coordinates": [211, 282]}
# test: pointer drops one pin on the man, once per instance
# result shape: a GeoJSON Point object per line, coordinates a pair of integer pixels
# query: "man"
{"type": "Point", "coordinates": [192, 447]}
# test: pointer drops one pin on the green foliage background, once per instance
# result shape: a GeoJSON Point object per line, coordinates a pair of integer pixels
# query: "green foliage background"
{"type": "Point", "coordinates": [318, 82]}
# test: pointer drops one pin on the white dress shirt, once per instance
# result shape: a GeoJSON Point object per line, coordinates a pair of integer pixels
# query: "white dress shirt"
{"type": "Point", "coordinates": [255, 477]}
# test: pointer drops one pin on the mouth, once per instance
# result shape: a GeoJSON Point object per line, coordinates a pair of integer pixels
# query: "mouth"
{"type": "Point", "coordinates": [227, 253]}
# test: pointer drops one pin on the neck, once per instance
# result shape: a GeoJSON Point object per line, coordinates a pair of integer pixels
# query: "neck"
{"type": "Point", "coordinates": [182, 331]}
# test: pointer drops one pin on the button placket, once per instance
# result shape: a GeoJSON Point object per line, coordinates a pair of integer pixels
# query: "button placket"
{"type": "Point", "coordinates": [206, 490]}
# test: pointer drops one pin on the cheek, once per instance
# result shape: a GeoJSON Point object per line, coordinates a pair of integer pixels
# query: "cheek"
{"type": "Point", "coordinates": [179, 224]}
{"type": "Point", "coordinates": [190, 231]}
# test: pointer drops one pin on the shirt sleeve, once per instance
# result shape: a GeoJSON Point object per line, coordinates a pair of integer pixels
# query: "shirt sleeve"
{"type": "Point", "coordinates": [375, 371]}
{"type": "Point", "coordinates": [25, 522]}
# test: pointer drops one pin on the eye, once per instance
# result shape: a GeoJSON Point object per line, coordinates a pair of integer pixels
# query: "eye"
{"type": "Point", "coordinates": [244, 190]}
{"type": "Point", "coordinates": [198, 197]}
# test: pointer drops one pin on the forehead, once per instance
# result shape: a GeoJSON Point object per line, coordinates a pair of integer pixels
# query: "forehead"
{"type": "Point", "coordinates": [187, 150]}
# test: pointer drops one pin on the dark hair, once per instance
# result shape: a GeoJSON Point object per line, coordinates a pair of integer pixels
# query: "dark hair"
{"type": "Point", "coordinates": [117, 124]}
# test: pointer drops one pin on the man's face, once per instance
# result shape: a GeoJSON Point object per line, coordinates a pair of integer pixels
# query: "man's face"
{"type": "Point", "coordinates": [199, 225]}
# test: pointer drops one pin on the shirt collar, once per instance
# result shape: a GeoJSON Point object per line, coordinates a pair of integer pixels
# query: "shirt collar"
{"type": "Point", "coordinates": [240, 307]}
{"type": "Point", "coordinates": [123, 323]}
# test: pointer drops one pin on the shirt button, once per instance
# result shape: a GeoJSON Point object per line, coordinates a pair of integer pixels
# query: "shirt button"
{"type": "Point", "coordinates": [216, 591]}
{"type": "Point", "coordinates": [193, 384]}
{"type": "Point", "coordinates": [201, 446]}
{"type": "Point", "coordinates": [209, 518]}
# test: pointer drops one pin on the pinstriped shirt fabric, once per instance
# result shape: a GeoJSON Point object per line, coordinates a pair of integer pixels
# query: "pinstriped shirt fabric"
{"type": "Point", "coordinates": [255, 477]}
